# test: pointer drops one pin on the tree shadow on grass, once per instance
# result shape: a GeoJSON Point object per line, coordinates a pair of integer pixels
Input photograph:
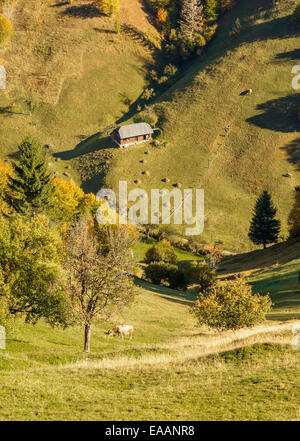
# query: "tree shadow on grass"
{"type": "Point", "coordinates": [137, 35]}
{"type": "Point", "coordinates": [60, 4]}
{"type": "Point", "coordinates": [7, 111]}
{"type": "Point", "coordinates": [182, 297]}
{"type": "Point", "coordinates": [290, 55]}
{"type": "Point", "coordinates": [105, 31]}
{"type": "Point", "coordinates": [83, 11]}
{"type": "Point", "coordinates": [283, 316]}
{"type": "Point", "coordinates": [89, 145]}
{"type": "Point", "coordinates": [279, 115]}
{"type": "Point", "coordinates": [293, 151]}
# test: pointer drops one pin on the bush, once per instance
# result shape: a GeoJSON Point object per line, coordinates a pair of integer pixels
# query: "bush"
{"type": "Point", "coordinates": [6, 29]}
{"type": "Point", "coordinates": [296, 17]}
{"type": "Point", "coordinates": [175, 277]}
{"type": "Point", "coordinates": [109, 7]}
{"type": "Point", "coordinates": [211, 10]}
{"type": "Point", "coordinates": [231, 306]}
{"type": "Point", "coordinates": [199, 273]}
{"type": "Point", "coordinates": [170, 70]}
{"type": "Point", "coordinates": [158, 272]}
{"type": "Point", "coordinates": [237, 27]}
{"type": "Point", "coordinates": [226, 5]}
{"type": "Point", "coordinates": [161, 252]}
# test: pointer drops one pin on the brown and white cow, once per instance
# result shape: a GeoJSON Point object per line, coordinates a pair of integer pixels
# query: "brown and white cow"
{"type": "Point", "coordinates": [121, 330]}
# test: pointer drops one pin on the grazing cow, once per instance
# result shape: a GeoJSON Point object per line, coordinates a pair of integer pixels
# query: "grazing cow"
{"type": "Point", "coordinates": [121, 330]}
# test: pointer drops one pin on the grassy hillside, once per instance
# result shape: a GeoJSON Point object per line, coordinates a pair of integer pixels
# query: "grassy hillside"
{"type": "Point", "coordinates": [232, 146]}
{"type": "Point", "coordinates": [69, 75]}
{"type": "Point", "coordinates": [274, 270]}
{"type": "Point", "coordinates": [252, 374]}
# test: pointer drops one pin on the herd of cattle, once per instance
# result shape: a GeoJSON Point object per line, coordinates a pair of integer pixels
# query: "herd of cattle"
{"type": "Point", "coordinates": [121, 330]}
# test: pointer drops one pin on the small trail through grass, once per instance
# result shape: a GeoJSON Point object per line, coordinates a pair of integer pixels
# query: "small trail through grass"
{"type": "Point", "coordinates": [194, 347]}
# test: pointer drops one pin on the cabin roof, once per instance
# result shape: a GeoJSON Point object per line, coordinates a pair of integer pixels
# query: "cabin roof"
{"type": "Point", "coordinates": [131, 130]}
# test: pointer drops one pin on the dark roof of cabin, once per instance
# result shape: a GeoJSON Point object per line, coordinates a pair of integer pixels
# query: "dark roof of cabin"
{"type": "Point", "coordinates": [131, 130]}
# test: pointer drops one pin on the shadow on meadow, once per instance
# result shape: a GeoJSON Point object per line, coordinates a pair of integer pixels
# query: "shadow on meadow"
{"type": "Point", "coordinates": [279, 115]}
{"type": "Point", "coordinates": [88, 145]}
{"type": "Point", "coordinates": [293, 151]}
{"type": "Point", "coordinates": [83, 11]}
{"type": "Point", "coordinates": [290, 55]}
{"type": "Point", "coordinates": [182, 297]}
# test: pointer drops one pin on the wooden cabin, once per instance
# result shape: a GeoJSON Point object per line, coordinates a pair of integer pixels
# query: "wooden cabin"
{"type": "Point", "coordinates": [132, 134]}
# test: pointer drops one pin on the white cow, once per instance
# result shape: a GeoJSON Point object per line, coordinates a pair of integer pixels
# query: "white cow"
{"type": "Point", "coordinates": [121, 330]}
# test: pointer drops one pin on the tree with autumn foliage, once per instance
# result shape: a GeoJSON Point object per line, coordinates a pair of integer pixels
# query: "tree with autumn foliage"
{"type": "Point", "coordinates": [6, 30]}
{"type": "Point", "coordinates": [214, 254]}
{"type": "Point", "coordinates": [5, 173]}
{"type": "Point", "coordinates": [231, 305]}
{"type": "Point", "coordinates": [71, 201]}
{"type": "Point", "coordinates": [162, 18]}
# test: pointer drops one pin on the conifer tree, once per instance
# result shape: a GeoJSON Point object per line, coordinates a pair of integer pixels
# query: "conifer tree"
{"type": "Point", "coordinates": [191, 18]}
{"type": "Point", "coordinates": [30, 187]}
{"type": "Point", "coordinates": [264, 228]}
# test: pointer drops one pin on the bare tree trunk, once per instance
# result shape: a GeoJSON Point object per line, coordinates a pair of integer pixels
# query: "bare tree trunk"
{"type": "Point", "coordinates": [87, 338]}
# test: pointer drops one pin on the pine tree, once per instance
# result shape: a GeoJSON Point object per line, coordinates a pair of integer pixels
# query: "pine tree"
{"type": "Point", "coordinates": [191, 18]}
{"type": "Point", "coordinates": [30, 187]}
{"type": "Point", "coordinates": [264, 228]}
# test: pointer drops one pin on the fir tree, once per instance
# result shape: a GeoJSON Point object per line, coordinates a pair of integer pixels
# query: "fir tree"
{"type": "Point", "coordinates": [191, 18]}
{"type": "Point", "coordinates": [30, 187]}
{"type": "Point", "coordinates": [264, 228]}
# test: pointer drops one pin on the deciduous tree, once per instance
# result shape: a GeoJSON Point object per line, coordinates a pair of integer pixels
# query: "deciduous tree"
{"type": "Point", "coordinates": [6, 29]}
{"type": "Point", "coordinates": [100, 281]}
{"type": "Point", "coordinates": [31, 280]}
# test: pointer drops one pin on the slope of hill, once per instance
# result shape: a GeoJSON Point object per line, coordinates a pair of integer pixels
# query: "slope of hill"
{"type": "Point", "coordinates": [275, 271]}
{"type": "Point", "coordinates": [46, 376]}
{"type": "Point", "coordinates": [233, 146]}
{"type": "Point", "coordinates": [69, 74]}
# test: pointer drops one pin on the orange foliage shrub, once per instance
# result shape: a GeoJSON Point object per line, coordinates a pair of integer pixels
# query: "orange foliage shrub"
{"type": "Point", "coordinates": [162, 17]}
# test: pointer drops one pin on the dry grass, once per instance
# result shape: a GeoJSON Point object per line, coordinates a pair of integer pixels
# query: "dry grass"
{"type": "Point", "coordinates": [192, 348]}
